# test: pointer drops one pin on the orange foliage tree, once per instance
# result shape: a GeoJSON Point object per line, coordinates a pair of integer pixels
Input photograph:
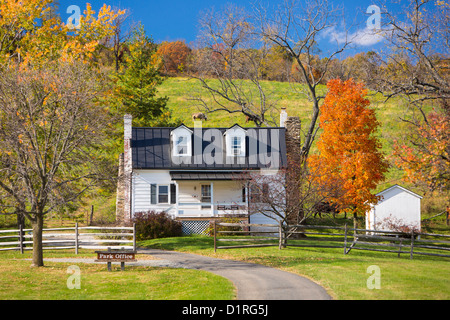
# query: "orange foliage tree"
{"type": "Point", "coordinates": [174, 55]}
{"type": "Point", "coordinates": [348, 151]}
{"type": "Point", "coordinates": [426, 159]}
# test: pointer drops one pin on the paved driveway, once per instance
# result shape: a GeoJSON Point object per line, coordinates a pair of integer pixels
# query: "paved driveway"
{"type": "Point", "coordinates": [253, 281]}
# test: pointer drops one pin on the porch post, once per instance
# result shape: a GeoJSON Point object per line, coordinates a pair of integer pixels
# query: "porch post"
{"type": "Point", "coordinates": [247, 196]}
{"type": "Point", "coordinates": [177, 197]}
{"type": "Point", "coordinates": [212, 199]}
{"type": "Point", "coordinates": [247, 200]}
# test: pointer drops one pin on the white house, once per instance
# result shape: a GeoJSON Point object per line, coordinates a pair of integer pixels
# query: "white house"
{"type": "Point", "coordinates": [398, 207]}
{"type": "Point", "coordinates": [195, 174]}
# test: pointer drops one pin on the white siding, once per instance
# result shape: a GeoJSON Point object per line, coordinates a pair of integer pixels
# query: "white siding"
{"type": "Point", "coordinates": [223, 192]}
{"type": "Point", "coordinates": [142, 179]}
{"type": "Point", "coordinates": [227, 191]}
{"type": "Point", "coordinates": [259, 218]}
{"type": "Point", "coordinates": [189, 192]}
{"type": "Point", "coordinates": [398, 205]}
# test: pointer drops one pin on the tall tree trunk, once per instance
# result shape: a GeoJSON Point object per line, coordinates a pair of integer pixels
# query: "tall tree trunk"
{"type": "Point", "coordinates": [355, 220]}
{"type": "Point", "coordinates": [38, 255]}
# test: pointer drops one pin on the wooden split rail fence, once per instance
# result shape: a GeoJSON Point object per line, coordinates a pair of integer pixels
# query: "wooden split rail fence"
{"type": "Point", "coordinates": [344, 238]}
{"type": "Point", "coordinates": [71, 238]}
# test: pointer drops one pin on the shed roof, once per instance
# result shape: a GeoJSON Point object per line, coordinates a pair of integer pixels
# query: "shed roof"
{"type": "Point", "coordinates": [399, 187]}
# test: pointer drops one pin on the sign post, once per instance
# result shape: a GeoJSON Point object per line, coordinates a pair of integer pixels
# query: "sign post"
{"type": "Point", "coordinates": [121, 256]}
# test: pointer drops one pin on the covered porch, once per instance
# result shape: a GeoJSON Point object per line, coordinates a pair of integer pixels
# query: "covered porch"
{"type": "Point", "coordinates": [209, 194]}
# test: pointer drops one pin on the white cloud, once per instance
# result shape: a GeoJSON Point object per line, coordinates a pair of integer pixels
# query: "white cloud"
{"type": "Point", "coordinates": [362, 37]}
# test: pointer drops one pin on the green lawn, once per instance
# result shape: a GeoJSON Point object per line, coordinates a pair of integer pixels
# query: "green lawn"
{"type": "Point", "coordinates": [20, 281]}
{"type": "Point", "coordinates": [344, 276]}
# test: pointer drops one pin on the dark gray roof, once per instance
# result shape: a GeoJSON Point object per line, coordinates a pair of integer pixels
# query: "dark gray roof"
{"type": "Point", "coordinates": [151, 149]}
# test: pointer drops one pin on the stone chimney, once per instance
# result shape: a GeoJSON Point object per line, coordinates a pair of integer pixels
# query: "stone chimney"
{"type": "Point", "coordinates": [293, 146]}
{"type": "Point", "coordinates": [127, 167]}
{"type": "Point", "coordinates": [293, 127]}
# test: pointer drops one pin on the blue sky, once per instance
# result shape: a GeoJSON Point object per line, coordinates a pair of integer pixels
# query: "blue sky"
{"type": "Point", "coordinates": [178, 19]}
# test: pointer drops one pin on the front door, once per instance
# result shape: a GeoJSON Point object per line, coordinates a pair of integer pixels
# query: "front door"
{"type": "Point", "coordinates": [206, 196]}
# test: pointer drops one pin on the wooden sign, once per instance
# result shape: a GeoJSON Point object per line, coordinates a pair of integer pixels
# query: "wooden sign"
{"type": "Point", "coordinates": [115, 256]}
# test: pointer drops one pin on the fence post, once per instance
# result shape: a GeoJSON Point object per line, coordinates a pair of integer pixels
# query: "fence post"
{"type": "Point", "coordinates": [412, 245]}
{"type": "Point", "coordinates": [109, 262]}
{"type": "Point", "coordinates": [134, 236]}
{"type": "Point", "coordinates": [21, 238]}
{"type": "Point", "coordinates": [76, 238]}
{"type": "Point", "coordinates": [280, 232]}
{"type": "Point", "coordinates": [345, 240]}
{"type": "Point", "coordinates": [448, 216]}
{"type": "Point", "coordinates": [400, 247]}
{"type": "Point", "coordinates": [215, 237]}
{"type": "Point", "coordinates": [92, 215]}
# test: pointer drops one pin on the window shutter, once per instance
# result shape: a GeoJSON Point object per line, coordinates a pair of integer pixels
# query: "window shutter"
{"type": "Point", "coordinates": [153, 193]}
{"type": "Point", "coordinates": [265, 189]}
{"type": "Point", "coordinates": [173, 193]}
{"type": "Point", "coordinates": [255, 194]}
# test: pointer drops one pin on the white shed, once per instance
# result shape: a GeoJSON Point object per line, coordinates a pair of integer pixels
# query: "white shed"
{"type": "Point", "coordinates": [398, 207]}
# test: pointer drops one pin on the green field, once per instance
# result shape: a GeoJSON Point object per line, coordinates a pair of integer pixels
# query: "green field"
{"type": "Point", "coordinates": [20, 281]}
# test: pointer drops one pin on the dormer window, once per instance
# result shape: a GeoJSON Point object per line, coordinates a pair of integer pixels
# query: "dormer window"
{"type": "Point", "coordinates": [235, 141]}
{"type": "Point", "coordinates": [236, 146]}
{"type": "Point", "coordinates": [181, 142]}
{"type": "Point", "coordinates": [181, 146]}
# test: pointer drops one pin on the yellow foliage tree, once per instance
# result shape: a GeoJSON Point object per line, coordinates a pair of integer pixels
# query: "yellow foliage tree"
{"type": "Point", "coordinates": [32, 33]}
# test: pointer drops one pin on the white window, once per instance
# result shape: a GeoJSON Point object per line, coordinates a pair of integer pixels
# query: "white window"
{"type": "Point", "coordinates": [163, 194]}
{"type": "Point", "coordinates": [259, 193]}
{"type": "Point", "coordinates": [236, 146]}
{"type": "Point", "coordinates": [181, 146]}
{"type": "Point", "coordinates": [235, 141]}
{"type": "Point", "coordinates": [182, 142]}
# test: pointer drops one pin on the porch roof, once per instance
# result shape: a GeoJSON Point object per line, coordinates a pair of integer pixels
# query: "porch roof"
{"type": "Point", "coordinates": [217, 176]}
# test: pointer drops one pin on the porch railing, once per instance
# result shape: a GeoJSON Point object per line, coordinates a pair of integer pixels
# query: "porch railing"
{"type": "Point", "coordinates": [211, 208]}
